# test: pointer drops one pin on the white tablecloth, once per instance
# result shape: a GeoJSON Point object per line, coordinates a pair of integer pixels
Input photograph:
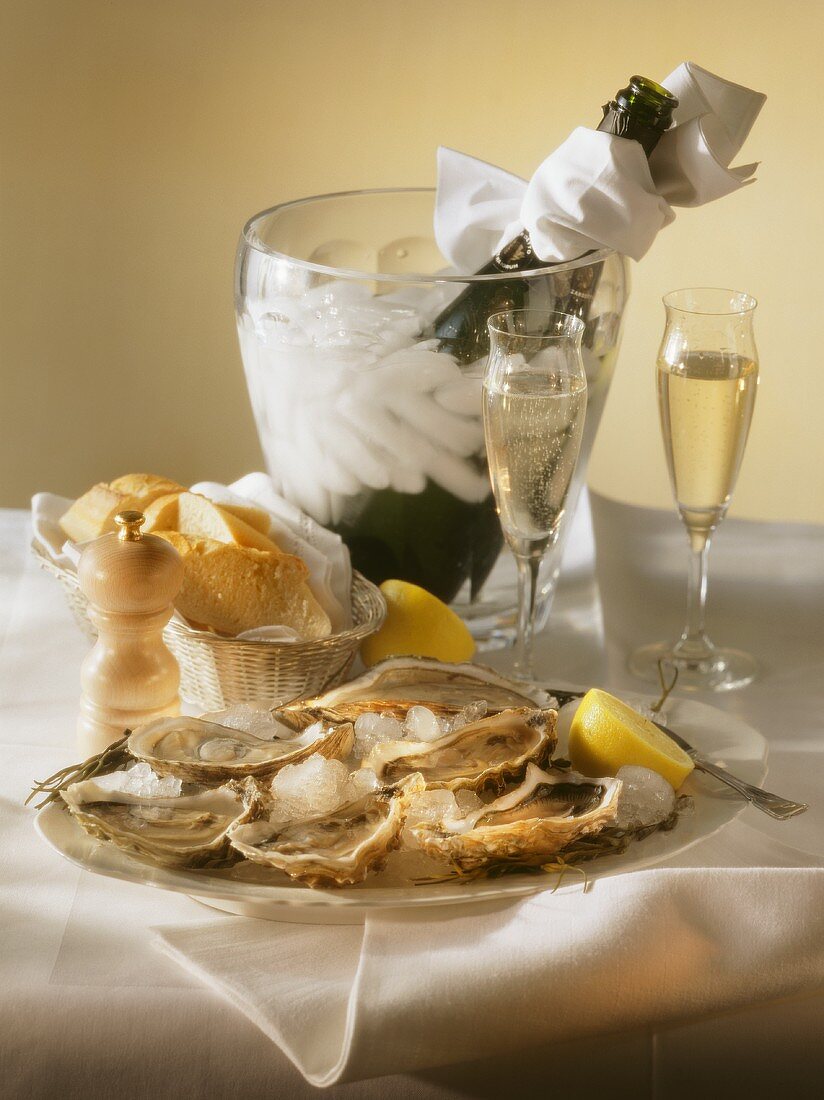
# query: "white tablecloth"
{"type": "Point", "coordinates": [88, 1008]}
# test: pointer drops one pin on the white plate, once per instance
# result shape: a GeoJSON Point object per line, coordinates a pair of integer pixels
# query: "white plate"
{"type": "Point", "coordinates": [722, 737]}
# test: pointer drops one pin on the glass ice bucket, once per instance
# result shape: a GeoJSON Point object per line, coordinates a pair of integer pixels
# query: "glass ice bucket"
{"type": "Point", "coordinates": [372, 423]}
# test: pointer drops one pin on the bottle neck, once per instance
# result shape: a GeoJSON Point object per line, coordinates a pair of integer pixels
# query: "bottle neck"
{"type": "Point", "coordinates": [621, 124]}
{"type": "Point", "coordinates": [642, 112]}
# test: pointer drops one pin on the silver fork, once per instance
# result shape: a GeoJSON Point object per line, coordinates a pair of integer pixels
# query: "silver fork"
{"type": "Point", "coordinates": [772, 804]}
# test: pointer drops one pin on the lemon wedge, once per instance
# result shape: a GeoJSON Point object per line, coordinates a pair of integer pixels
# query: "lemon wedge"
{"type": "Point", "coordinates": [417, 624]}
{"type": "Point", "coordinates": [606, 734]}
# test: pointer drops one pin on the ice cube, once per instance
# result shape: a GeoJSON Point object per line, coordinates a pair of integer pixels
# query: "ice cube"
{"type": "Point", "coordinates": [467, 802]}
{"type": "Point", "coordinates": [462, 396]}
{"type": "Point", "coordinates": [315, 786]}
{"type": "Point", "coordinates": [422, 725]}
{"type": "Point", "coordinates": [372, 729]}
{"type": "Point", "coordinates": [311, 733]}
{"type": "Point", "coordinates": [646, 798]}
{"type": "Point", "coordinates": [254, 720]}
{"type": "Point", "coordinates": [361, 783]}
{"type": "Point", "coordinates": [428, 806]}
{"type": "Point", "coordinates": [472, 712]}
{"type": "Point", "coordinates": [139, 779]}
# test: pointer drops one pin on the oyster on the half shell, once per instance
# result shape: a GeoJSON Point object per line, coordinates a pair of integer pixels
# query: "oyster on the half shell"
{"type": "Point", "coordinates": [393, 686]}
{"type": "Point", "coordinates": [482, 754]}
{"type": "Point", "coordinates": [527, 825]}
{"type": "Point", "coordinates": [207, 752]}
{"type": "Point", "coordinates": [334, 849]}
{"type": "Point", "coordinates": [185, 830]}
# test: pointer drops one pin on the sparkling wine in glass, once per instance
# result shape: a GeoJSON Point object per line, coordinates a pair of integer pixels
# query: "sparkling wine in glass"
{"type": "Point", "coordinates": [707, 381]}
{"type": "Point", "coordinates": [535, 396]}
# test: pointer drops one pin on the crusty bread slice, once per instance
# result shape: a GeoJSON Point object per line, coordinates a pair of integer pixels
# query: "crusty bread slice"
{"type": "Point", "coordinates": [255, 517]}
{"type": "Point", "coordinates": [198, 515]}
{"type": "Point", "coordinates": [93, 513]}
{"type": "Point", "coordinates": [162, 514]}
{"type": "Point", "coordinates": [235, 588]}
{"type": "Point", "coordinates": [145, 488]}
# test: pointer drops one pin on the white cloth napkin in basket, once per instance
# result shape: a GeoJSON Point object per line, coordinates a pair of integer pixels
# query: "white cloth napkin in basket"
{"type": "Point", "coordinates": [738, 919]}
{"type": "Point", "coordinates": [597, 190]}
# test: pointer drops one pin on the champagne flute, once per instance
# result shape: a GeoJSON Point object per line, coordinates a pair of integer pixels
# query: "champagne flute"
{"type": "Point", "coordinates": [707, 381]}
{"type": "Point", "coordinates": [535, 397]}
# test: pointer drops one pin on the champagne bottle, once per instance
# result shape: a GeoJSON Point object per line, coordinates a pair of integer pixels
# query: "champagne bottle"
{"type": "Point", "coordinates": [641, 112]}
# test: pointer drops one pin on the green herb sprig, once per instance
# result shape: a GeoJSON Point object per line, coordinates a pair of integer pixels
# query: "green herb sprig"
{"type": "Point", "coordinates": [109, 760]}
{"type": "Point", "coordinates": [666, 688]}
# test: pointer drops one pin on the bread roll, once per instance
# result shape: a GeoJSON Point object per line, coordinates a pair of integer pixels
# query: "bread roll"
{"type": "Point", "coordinates": [93, 513]}
{"type": "Point", "coordinates": [162, 514]}
{"type": "Point", "coordinates": [255, 517]}
{"type": "Point", "coordinates": [235, 588]}
{"type": "Point", "coordinates": [197, 515]}
{"type": "Point", "coordinates": [144, 488]}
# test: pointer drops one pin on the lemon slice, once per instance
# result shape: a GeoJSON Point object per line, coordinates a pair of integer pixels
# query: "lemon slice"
{"type": "Point", "coordinates": [417, 624]}
{"type": "Point", "coordinates": [606, 734]}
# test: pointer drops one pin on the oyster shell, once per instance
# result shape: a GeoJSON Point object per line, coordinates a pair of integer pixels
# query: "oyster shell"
{"type": "Point", "coordinates": [482, 754]}
{"type": "Point", "coordinates": [527, 825]}
{"type": "Point", "coordinates": [183, 831]}
{"type": "Point", "coordinates": [393, 686]}
{"type": "Point", "coordinates": [334, 849]}
{"type": "Point", "coordinates": [207, 752]}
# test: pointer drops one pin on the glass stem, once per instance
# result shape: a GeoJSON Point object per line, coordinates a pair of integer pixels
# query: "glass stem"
{"type": "Point", "coordinates": [528, 566]}
{"type": "Point", "coordinates": [694, 642]}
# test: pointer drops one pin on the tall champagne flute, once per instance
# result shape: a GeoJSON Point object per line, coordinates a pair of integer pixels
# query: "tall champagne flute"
{"type": "Point", "coordinates": [535, 397]}
{"type": "Point", "coordinates": [707, 381]}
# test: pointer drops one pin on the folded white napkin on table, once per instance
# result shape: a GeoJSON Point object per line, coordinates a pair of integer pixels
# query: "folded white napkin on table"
{"type": "Point", "coordinates": [432, 987]}
{"type": "Point", "coordinates": [598, 190]}
{"type": "Point", "coordinates": [330, 570]}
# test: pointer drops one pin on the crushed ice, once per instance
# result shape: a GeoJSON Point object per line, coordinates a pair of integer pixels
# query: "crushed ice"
{"type": "Point", "coordinates": [646, 798]}
{"type": "Point", "coordinates": [472, 712]}
{"type": "Point", "coordinates": [257, 721]}
{"type": "Point", "coordinates": [318, 786]}
{"type": "Point", "coordinates": [420, 724]}
{"type": "Point", "coordinates": [339, 364]}
{"type": "Point", "coordinates": [434, 806]}
{"type": "Point", "coordinates": [137, 782]}
{"type": "Point", "coordinates": [373, 729]}
{"type": "Point", "coordinates": [141, 780]}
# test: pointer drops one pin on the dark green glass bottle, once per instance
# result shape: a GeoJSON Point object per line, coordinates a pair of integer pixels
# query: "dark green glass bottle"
{"type": "Point", "coordinates": [642, 112]}
{"type": "Point", "coordinates": [433, 538]}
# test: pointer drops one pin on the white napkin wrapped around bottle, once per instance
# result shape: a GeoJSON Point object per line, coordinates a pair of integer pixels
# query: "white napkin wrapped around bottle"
{"type": "Point", "coordinates": [326, 556]}
{"type": "Point", "coordinates": [597, 190]}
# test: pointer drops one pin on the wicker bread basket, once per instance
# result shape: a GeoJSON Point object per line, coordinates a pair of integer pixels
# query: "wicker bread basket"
{"type": "Point", "coordinates": [216, 671]}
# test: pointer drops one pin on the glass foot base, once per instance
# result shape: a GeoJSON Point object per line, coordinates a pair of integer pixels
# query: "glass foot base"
{"type": "Point", "coordinates": [723, 670]}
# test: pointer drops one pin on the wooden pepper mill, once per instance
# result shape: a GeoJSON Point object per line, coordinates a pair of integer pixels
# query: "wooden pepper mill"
{"type": "Point", "coordinates": [130, 676]}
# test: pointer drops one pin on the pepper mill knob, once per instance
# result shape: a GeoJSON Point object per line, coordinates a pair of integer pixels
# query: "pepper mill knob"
{"type": "Point", "coordinates": [129, 524]}
{"type": "Point", "coordinates": [130, 676]}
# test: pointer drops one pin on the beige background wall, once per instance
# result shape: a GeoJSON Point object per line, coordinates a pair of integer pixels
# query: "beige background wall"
{"type": "Point", "coordinates": [137, 136]}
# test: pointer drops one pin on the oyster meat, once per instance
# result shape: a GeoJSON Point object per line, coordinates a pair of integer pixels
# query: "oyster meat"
{"type": "Point", "coordinates": [528, 825]}
{"type": "Point", "coordinates": [393, 686]}
{"type": "Point", "coordinates": [334, 849]}
{"type": "Point", "coordinates": [207, 752]}
{"type": "Point", "coordinates": [186, 830]}
{"type": "Point", "coordinates": [482, 754]}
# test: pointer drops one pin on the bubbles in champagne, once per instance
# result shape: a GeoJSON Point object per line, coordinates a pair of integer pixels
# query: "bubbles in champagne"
{"type": "Point", "coordinates": [533, 433]}
{"type": "Point", "coordinates": [706, 404]}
